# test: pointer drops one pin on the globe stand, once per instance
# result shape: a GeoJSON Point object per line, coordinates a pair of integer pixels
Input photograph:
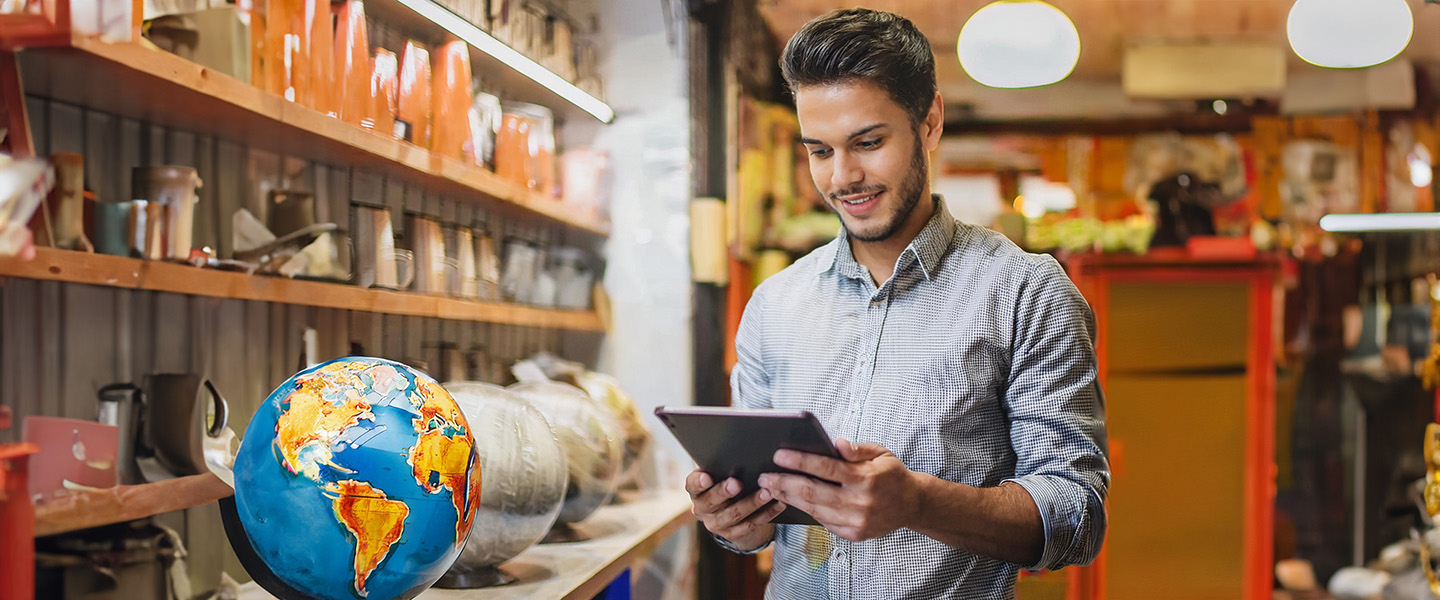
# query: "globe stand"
{"type": "Point", "coordinates": [466, 578]}
{"type": "Point", "coordinates": [240, 542]}
{"type": "Point", "coordinates": [564, 533]}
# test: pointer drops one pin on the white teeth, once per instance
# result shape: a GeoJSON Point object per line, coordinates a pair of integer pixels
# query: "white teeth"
{"type": "Point", "coordinates": [862, 200]}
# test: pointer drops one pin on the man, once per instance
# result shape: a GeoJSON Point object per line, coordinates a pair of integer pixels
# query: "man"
{"type": "Point", "coordinates": [960, 365]}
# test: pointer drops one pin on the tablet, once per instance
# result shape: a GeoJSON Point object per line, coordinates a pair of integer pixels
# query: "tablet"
{"type": "Point", "coordinates": [741, 443]}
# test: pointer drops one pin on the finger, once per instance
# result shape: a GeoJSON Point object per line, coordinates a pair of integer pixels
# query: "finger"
{"type": "Point", "coordinates": [696, 482]}
{"type": "Point", "coordinates": [802, 492]}
{"type": "Point", "coordinates": [754, 522]}
{"type": "Point", "coordinates": [827, 516]}
{"type": "Point", "coordinates": [716, 498]}
{"type": "Point", "coordinates": [823, 467]}
{"type": "Point", "coordinates": [741, 510]}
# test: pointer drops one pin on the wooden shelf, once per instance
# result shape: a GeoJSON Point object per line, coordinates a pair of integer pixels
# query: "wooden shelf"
{"type": "Point", "coordinates": [623, 534]}
{"type": "Point", "coordinates": [138, 81]}
{"type": "Point", "coordinates": [94, 508]}
{"type": "Point", "coordinates": [133, 273]}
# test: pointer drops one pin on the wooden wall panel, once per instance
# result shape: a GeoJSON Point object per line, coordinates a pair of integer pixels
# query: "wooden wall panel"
{"type": "Point", "coordinates": [102, 133]}
{"type": "Point", "coordinates": [228, 190]}
{"type": "Point", "coordinates": [88, 343]}
{"type": "Point", "coordinates": [39, 112]}
{"type": "Point", "coordinates": [19, 338]}
{"type": "Point", "coordinates": [128, 153]}
{"type": "Point", "coordinates": [207, 210]}
{"type": "Point", "coordinates": [51, 349]}
{"type": "Point", "coordinates": [142, 343]}
{"type": "Point", "coordinates": [67, 129]}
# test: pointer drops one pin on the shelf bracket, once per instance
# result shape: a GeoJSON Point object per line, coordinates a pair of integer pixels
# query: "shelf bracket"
{"type": "Point", "coordinates": [18, 140]}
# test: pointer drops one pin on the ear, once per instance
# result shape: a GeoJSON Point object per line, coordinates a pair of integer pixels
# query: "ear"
{"type": "Point", "coordinates": [934, 124]}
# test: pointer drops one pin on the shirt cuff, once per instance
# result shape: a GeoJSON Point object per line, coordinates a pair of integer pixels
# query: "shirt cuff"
{"type": "Point", "coordinates": [1053, 514]}
{"type": "Point", "coordinates": [726, 544]}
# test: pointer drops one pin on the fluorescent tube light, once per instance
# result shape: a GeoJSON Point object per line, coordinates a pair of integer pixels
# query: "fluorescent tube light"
{"type": "Point", "coordinates": [1381, 222]}
{"type": "Point", "coordinates": [486, 43]}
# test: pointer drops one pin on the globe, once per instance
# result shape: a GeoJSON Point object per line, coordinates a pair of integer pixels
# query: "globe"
{"type": "Point", "coordinates": [591, 439]}
{"type": "Point", "coordinates": [525, 479]}
{"type": "Point", "coordinates": [357, 478]}
{"type": "Point", "coordinates": [606, 390]}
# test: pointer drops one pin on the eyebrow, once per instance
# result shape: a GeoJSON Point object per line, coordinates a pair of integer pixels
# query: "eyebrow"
{"type": "Point", "coordinates": [857, 133]}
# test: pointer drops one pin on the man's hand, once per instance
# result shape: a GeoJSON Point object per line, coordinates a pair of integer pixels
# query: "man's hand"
{"type": "Point", "coordinates": [876, 495]}
{"type": "Point", "coordinates": [744, 522]}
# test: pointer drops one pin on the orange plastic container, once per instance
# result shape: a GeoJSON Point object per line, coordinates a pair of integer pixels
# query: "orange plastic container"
{"type": "Point", "coordinates": [384, 84]}
{"type": "Point", "coordinates": [525, 146]}
{"type": "Point", "coordinates": [295, 47]}
{"type": "Point", "coordinates": [322, 57]}
{"type": "Point", "coordinates": [278, 37]}
{"type": "Point", "coordinates": [352, 65]}
{"type": "Point", "coordinates": [415, 93]}
{"type": "Point", "coordinates": [450, 134]}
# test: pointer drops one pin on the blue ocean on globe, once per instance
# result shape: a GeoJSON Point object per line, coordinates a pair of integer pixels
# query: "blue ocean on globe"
{"type": "Point", "coordinates": [357, 479]}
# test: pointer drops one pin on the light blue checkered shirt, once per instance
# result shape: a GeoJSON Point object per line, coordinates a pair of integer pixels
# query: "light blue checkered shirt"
{"type": "Point", "coordinates": [973, 363]}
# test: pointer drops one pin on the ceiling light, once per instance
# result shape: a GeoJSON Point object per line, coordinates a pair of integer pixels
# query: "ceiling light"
{"type": "Point", "coordinates": [1018, 44]}
{"type": "Point", "coordinates": [1349, 34]}
{"type": "Point", "coordinates": [484, 42]}
{"type": "Point", "coordinates": [1380, 222]}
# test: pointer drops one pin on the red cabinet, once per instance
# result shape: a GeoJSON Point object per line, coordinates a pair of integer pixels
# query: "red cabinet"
{"type": "Point", "coordinates": [1186, 358]}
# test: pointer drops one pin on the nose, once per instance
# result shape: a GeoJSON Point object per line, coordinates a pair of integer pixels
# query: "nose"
{"type": "Point", "coordinates": [846, 172]}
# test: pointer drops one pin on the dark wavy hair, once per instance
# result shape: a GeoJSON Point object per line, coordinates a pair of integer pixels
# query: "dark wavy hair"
{"type": "Point", "coordinates": [860, 44]}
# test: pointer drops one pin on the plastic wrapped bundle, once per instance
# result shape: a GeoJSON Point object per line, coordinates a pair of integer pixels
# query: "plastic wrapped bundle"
{"type": "Point", "coordinates": [636, 437]}
{"type": "Point", "coordinates": [523, 476]}
{"type": "Point", "coordinates": [591, 440]}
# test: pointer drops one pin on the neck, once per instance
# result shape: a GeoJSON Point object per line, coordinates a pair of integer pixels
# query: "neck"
{"type": "Point", "coordinates": [879, 257]}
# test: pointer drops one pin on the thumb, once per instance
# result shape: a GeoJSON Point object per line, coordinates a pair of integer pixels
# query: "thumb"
{"type": "Point", "coordinates": [853, 452]}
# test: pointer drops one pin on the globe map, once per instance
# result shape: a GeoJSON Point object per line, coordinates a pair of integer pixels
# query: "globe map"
{"type": "Point", "coordinates": [357, 479]}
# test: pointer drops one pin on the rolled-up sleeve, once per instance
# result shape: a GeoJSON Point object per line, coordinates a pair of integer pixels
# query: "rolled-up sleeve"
{"type": "Point", "coordinates": [1057, 416]}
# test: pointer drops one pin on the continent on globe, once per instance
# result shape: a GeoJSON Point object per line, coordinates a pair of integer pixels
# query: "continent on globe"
{"type": "Point", "coordinates": [442, 458]}
{"type": "Point", "coordinates": [375, 520]}
{"type": "Point", "coordinates": [311, 419]}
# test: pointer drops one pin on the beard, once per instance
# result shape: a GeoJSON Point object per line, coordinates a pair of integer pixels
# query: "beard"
{"type": "Point", "coordinates": [909, 193]}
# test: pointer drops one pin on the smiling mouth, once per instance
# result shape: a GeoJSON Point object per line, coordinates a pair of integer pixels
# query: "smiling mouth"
{"type": "Point", "coordinates": [855, 199]}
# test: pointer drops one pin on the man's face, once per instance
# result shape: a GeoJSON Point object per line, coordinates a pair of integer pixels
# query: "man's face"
{"type": "Point", "coordinates": [866, 156]}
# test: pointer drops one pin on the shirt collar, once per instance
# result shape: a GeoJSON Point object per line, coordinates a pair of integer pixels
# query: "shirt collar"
{"type": "Point", "coordinates": [928, 248]}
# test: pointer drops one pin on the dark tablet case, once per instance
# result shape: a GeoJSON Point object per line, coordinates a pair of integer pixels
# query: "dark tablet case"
{"type": "Point", "coordinates": [741, 443]}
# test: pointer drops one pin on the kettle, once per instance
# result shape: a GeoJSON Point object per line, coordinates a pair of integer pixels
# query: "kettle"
{"type": "Point", "coordinates": [164, 423]}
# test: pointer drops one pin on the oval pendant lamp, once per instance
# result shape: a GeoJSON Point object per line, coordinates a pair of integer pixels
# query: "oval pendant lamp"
{"type": "Point", "coordinates": [1018, 44]}
{"type": "Point", "coordinates": [1349, 34]}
